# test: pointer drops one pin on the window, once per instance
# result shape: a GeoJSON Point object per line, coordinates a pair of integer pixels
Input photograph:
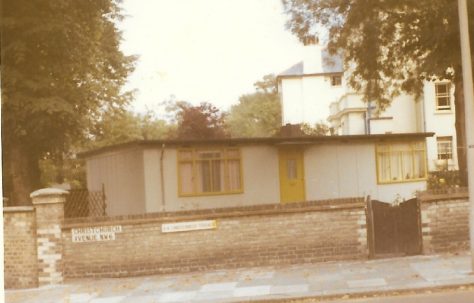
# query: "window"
{"type": "Point", "coordinates": [445, 147]}
{"type": "Point", "coordinates": [443, 101]}
{"type": "Point", "coordinates": [336, 80]}
{"type": "Point", "coordinates": [401, 162]}
{"type": "Point", "coordinates": [209, 171]}
{"type": "Point", "coordinates": [292, 169]}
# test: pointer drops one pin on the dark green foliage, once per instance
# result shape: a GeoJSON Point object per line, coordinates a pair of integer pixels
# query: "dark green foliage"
{"type": "Point", "coordinates": [319, 129]}
{"type": "Point", "coordinates": [391, 45]}
{"type": "Point", "coordinates": [257, 114]}
{"type": "Point", "coordinates": [442, 180]}
{"type": "Point", "coordinates": [61, 71]}
{"type": "Point", "coordinates": [394, 44]}
{"type": "Point", "coordinates": [122, 126]}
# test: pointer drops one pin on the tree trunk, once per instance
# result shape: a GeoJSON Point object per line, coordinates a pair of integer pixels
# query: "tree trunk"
{"type": "Point", "coordinates": [460, 129]}
{"type": "Point", "coordinates": [23, 173]}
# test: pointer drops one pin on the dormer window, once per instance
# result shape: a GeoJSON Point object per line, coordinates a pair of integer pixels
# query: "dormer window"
{"type": "Point", "coordinates": [336, 81]}
{"type": "Point", "coordinates": [443, 100]}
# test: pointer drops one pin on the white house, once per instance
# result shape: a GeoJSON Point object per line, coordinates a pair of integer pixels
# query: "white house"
{"type": "Point", "coordinates": [315, 89]}
{"type": "Point", "coordinates": [308, 86]}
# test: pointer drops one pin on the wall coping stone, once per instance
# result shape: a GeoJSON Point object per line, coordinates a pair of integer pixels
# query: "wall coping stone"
{"type": "Point", "coordinates": [48, 192]}
{"type": "Point", "coordinates": [17, 209]}
{"type": "Point", "coordinates": [217, 213]}
{"type": "Point", "coordinates": [430, 198]}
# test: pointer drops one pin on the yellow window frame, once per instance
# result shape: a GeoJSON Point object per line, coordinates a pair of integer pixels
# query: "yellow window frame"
{"type": "Point", "coordinates": [225, 158]}
{"type": "Point", "coordinates": [413, 147]}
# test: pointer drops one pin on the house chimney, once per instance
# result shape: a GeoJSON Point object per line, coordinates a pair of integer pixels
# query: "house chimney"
{"type": "Point", "coordinates": [291, 130]}
{"type": "Point", "coordinates": [312, 58]}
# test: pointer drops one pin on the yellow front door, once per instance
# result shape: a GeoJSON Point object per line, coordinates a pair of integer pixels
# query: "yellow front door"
{"type": "Point", "coordinates": [291, 175]}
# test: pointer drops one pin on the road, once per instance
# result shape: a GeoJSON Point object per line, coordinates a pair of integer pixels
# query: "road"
{"type": "Point", "coordinates": [459, 296]}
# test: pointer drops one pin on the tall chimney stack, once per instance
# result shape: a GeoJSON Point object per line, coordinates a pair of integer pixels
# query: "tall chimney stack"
{"type": "Point", "coordinates": [312, 58]}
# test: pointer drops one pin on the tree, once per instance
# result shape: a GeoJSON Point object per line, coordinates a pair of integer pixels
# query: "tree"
{"type": "Point", "coordinates": [203, 121]}
{"type": "Point", "coordinates": [392, 46]}
{"type": "Point", "coordinates": [257, 114]}
{"type": "Point", "coordinates": [320, 129]}
{"type": "Point", "coordinates": [115, 127]}
{"type": "Point", "coordinates": [122, 126]}
{"type": "Point", "coordinates": [61, 71]}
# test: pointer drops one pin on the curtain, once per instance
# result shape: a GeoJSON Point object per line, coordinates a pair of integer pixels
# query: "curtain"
{"type": "Point", "coordinates": [186, 175]}
{"type": "Point", "coordinates": [233, 167]}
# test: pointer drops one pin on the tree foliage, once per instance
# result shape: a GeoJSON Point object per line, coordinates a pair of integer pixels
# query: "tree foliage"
{"type": "Point", "coordinates": [204, 121]}
{"type": "Point", "coordinates": [319, 129]}
{"type": "Point", "coordinates": [61, 71]}
{"type": "Point", "coordinates": [115, 127]}
{"type": "Point", "coordinates": [391, 45]}
{"type": "Point", "coordinates": [257, 114]}
{"type": "Point", "coordinates": [122, 126]}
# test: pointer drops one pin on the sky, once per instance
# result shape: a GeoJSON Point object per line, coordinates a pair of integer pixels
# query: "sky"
{"type": "Point", "coordinates": [204, 50]}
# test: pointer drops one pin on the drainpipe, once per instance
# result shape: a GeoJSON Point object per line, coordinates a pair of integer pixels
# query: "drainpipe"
{"type": "Point", "coordinates": [162, 179]}
{"type": "Point", "coordinates": [369, 110]}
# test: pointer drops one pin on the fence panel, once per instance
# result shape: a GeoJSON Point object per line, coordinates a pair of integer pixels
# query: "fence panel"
{"type": "Point", "coordinates": [83, 203]}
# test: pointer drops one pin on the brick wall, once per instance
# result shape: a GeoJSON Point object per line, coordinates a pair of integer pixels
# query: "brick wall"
{"type": "Point", "coordinates": [19, 232]}
{"type": "Point", "coordinates": [445, 222]}
{"type": "Point", "coordinates": [247, 236]}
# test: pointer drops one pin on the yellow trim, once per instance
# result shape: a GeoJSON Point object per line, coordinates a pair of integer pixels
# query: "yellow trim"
{"type": "Point", "coordinates": [412, 148]}
{"type": "Point", "coordinates": [285, 192]}
{"type": "Point", "coordinates": [223, 159]}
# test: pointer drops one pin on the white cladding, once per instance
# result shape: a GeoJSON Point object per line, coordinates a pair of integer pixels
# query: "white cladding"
{"type": "Point", "coordinates": [134, 183]}
{"type": "Point", "coordinates": [121, 175]}
{"type": "Point", "coordinates": [260, 181]}
{"type": "Point", "coordinates": [349, 170]}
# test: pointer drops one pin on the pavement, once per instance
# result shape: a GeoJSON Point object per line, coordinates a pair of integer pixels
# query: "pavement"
{"type": "Point", "coordinates": [321, 281]}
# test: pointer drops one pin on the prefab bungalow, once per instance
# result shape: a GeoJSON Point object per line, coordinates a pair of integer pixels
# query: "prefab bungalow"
{"type": "Point", "coordinates": [173, 175]}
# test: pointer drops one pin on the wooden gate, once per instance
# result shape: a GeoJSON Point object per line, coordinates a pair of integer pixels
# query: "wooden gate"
{"type": "Point", "coordinates": [393, 230]}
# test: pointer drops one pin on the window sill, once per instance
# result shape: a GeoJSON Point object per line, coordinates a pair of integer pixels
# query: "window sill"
{"type": "Point", "coordinates": [401, 181]}
{"type": "Point", "coordinates": [443, 112]}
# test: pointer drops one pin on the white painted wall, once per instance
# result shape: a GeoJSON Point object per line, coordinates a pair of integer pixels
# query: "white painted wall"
{"type": "Point", "coordinates": [312, 59]}
{"type": "Point", "coordinates": [153, 189]}
{"type": "Point", "coordinates": [291, 94]}
{"type": "Point", "coordinates": [442, 123]}
{"type": "Point", "coordinates": [356, 122]}
{"type": "Point", "coordinates": [121, 172]}
{"type": "Point", "coordinates": [260, 181]}
{"type": "Point", "coordinates": [403, 114]}
{"type": "Point", "coordinates": [133, 181]}
{"type": "Point", "coordinates": [306, 99]}
{"type": "Point", "coordinates": [349, 170]}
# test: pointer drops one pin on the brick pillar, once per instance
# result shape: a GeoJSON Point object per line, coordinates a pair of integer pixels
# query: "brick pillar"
{"type": "Point", "coordinates": [49, 205]}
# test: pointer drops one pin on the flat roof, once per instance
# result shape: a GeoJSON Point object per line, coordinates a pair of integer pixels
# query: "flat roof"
{"type": "Point", "coordinates": [277, 141]}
